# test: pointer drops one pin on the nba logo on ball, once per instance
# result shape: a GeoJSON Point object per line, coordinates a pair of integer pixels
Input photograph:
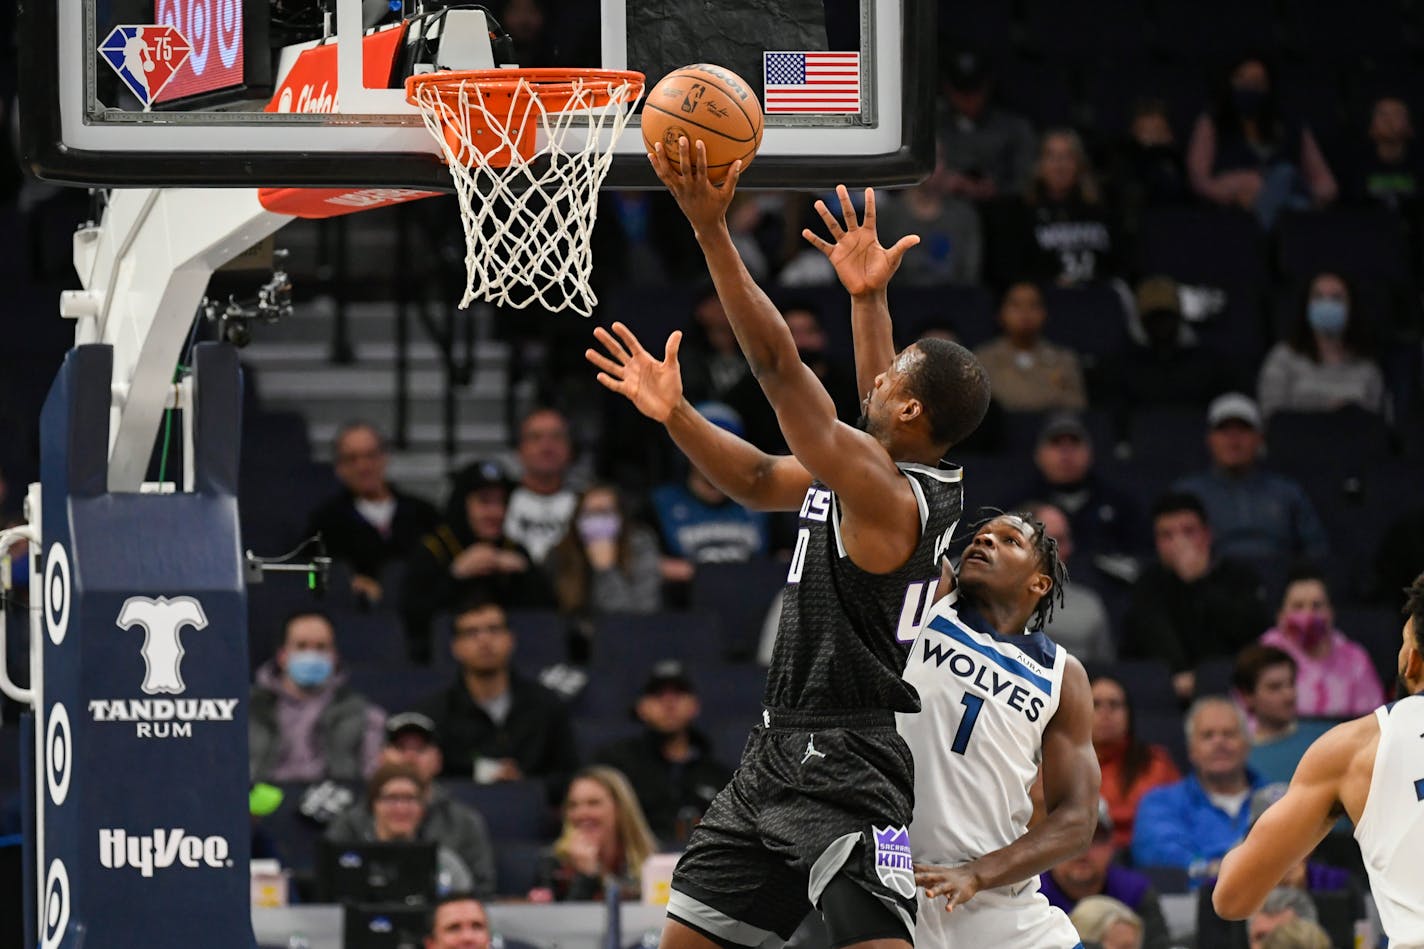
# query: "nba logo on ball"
{"type": "Point", "coordinates": [893, 862]}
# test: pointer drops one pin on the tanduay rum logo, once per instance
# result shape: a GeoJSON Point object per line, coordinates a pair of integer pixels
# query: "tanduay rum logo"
{"type": "Point", "coordinates": [893, 862]}
{"type": "Point", "coordinates": [162, 619]}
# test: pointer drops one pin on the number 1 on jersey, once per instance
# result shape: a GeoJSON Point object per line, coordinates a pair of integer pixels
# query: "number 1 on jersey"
{"type": "Point", "coordinates": [972, 705]}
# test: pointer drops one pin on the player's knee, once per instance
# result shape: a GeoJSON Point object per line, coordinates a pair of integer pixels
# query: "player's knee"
{"type": "Point", "coordinates": [855, 916]}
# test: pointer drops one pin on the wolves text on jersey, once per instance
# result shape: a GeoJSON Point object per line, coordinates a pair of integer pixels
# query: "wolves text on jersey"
{"type": "Point", "coordinates": [990, 681]}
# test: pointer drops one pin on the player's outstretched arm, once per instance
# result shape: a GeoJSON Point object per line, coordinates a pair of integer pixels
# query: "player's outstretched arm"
{"type": "Point", "coordinates": [1071, 782]}
{"type": "Point", "coordinates": [742, 471]}
{"type": "Point", "coordinates": [881, 522]}
{"type": "Point", "coordinates": [1293, 826]}
{"type": "Point", "coordinates": [864, 268]}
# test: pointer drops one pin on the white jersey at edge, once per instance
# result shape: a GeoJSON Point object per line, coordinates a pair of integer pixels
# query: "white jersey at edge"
{"type": "Point", "coordinates": [977, 743]}
{"type": "Point", "coordinates": [1391, 827]}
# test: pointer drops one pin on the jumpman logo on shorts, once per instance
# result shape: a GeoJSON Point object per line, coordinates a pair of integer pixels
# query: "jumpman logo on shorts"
{"type": "Point", "coordinates": [811, 751]}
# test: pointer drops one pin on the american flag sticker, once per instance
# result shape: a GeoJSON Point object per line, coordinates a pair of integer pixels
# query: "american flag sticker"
{"type": "Point", "coordinates": [812, 82]}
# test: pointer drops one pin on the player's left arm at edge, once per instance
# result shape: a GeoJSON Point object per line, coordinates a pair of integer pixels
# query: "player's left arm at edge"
{"type": "Point", "coordinates": [1071, 782]}
{"type": "Point", "coordinates": [1289, 829]}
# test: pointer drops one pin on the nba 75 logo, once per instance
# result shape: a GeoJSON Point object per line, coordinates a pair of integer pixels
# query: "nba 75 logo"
{"type": "Point", "coordinates": [145, 57]}
{"type": "Point", "coordinates": [893, 862]}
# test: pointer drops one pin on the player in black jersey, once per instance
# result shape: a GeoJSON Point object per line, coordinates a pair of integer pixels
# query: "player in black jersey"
{"type": "Point", "coordinates": [816, 814]}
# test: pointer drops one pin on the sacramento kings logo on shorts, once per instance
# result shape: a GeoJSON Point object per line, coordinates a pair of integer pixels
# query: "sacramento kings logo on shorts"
{"type": "Point", "coordinates": [892, 859]}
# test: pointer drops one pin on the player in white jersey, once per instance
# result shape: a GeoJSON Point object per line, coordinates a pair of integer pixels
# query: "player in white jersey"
{"type": "Point", "coordinates": [1371, 769]}
{"type": "Point", "coordinates": [1000, 702]}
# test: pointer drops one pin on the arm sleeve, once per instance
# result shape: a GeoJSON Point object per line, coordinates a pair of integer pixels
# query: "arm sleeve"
{"type": "Point", "coordinates": [1159, 837]}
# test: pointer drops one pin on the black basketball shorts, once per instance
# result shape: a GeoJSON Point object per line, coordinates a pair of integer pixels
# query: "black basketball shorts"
{"type": "Point", "coordinates": [817, 794]}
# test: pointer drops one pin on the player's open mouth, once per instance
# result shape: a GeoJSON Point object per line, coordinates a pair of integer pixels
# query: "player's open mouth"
{"type": "Point", "coordinates": [978, 555]}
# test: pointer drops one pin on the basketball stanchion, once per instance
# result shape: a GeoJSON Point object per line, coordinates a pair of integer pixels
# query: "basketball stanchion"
{"type": "Point", "coordinates": [528, 150]}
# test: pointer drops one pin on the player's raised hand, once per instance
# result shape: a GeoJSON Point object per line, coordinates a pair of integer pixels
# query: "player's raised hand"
{"type": "Point", "coordinates": [654, 386]}
{"type": "Point", "coordinates": [862, 264]}
{"type": "Point", "coordinates": [704, 203]}
{"type": "Point", "coordinates": [955, 884]}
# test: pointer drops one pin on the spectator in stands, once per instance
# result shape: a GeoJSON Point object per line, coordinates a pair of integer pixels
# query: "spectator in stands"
{"type": "Point", "coordinates": [411, 741]}
{"type": "Point", "coordinates": [1080, 623]}
{"type": "Point", "coordinates": [1094, 873]}
{"type": "Point", "coordinates": [670, 765]}
{"type": "Point", "coordinates": [1107, 923]}
{"type": "Point", "coordinates": [1190, 605]}
{"type": "Point", "coordinates": [542, 504]}
{"type": "Point", "coordinates": [1061, 233]}
{"type": "Point", "coordinates": [1166, 369]}
{"type": "Point", "coordinates": [1264, 678]}
{"type": "Point", "coordinates": [803, 318]}
{"type": "Point", "coordinates": [951, 247]}
{"type": "Point", "coordinates": [1191, 824]}
{"type": "Point", "coordinates": [605, 839]}
{"type": "Point", "coordinates": [1130, 766]}
{"type": "Point", "coordinates": [1388, 170]}
{"type": "Point", "coordinates": [1026, 372]}
{"type": "Point", "coordinates": [1257, 516]}
{"type": "Point", "coordinates": [1297, 934]}
{"type": "Point", "coordinates": [1284, 904]}
{"type": "Point", "coordinates": [1243, 154]}
{"type": "Point", "coordinates": [1324, 364]}
{"type": "Point", "coordinates": [469, 556]}
{"type": "Point", "coordinates": [305, 723]}
{"type": "Point", "coordinates": [606, 563]}
{"type": "Point", "coordinates": [1400, 553]}
{"type": "Point", "coordinates": [1148, 167]}
{"type": "Point", "coordinates": [1335, 676]}
{"type": "Point", "coordinates": [698, 523]}
{"type": "Point", "coordinates": [712, 362]}
{"type": "Point", "coordinates": [1105, 519]}
{"type": "Point", "coordinates": [988, 150]}
{"type": "Point", "coordinates": [493, 724]}
{"type": "Point", "coordinates": [397, 796]}
{"type": "Point", "coordinates": [370, 523]}
{"type": "Point", "coordinates": [458, 921]}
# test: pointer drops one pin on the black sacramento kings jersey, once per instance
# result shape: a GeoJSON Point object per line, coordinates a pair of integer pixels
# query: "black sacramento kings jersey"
{"type": "Point", "coordinates": [840, 645]}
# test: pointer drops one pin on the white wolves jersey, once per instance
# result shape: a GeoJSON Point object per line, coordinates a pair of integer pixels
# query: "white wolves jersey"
{"type": "Point", "coordinates": [1391, 827]}
{"type": "Point", "coordinates": [977, 742]}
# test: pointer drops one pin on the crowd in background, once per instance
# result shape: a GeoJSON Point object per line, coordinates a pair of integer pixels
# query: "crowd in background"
{"type": "Point", "coordinates": [1212, 405]}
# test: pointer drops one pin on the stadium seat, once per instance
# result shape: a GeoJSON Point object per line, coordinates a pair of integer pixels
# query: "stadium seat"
{"type": "Point", "coordinates": [1113, 88]}
{"type": "Point", "coordinates": [740, 595]}
{"type": "Point", "coordinates": [1089, 320]}
{"type": "Point", "coordinates": [396, 688]}
{"type": "Point", "coordinates": [1365, 244]}
{"type": "Point", "coordinates": [1379, 630]}
{"type": "Point", "coordinates": [1041, 92]}
{"type": "Point", "coordinates": [982, 26]}
{"type": "Point", "coordinates": [516, 868]}
{"type": "Point", "coordinates": [1021, 431]}
{"type": "Point", "coordinates": [370, 637]}
{"type": "Point", "coordinates": [514, 810]}
{"type": "Point", "coordinates": [541, 639]}
{"type": "Point", "coordinates": [729, 737]}
{"type": "Point", "coordinates": [1364, 29]}
{"type": "Point", "coordinates": [1169, 439]}
{"type": "Point", "coordinates": [1148, 683]}
{"type": "Point", "coordinates": [1348, 441]}
{"type": "Point", "coordinates": [733, 692]}
{"type": "Point", "coordinates": [594, 734]}
{"type": "Point", "coordinates": [9, 760]}
{"type": "Point", "coordinates": [1218, 247]}
{"type": "Point", "coordinates": [625, 641]}
{"type": "Point", "coordinates": [1198, 31]}
{"type": "Point", "coordinates": [969, 309]}
{"type": "Point", "coordinates": [1214, 676]}
{"type": "Point", "coordinates": [1081, 30]}
{"type": "Point", "coordinates": [1165, 728]}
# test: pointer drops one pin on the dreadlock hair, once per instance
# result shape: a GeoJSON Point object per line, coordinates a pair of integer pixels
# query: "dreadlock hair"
{"type": "Point", "coordinates": [1048, 561]}
{"type": "Point", "coordinates": [1414, 609]}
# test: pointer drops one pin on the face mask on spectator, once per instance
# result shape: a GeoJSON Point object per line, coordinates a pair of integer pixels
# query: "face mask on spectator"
{"type": "Point", "coordinates": [601, 526]}
{"type": "Point", "coordinates": [309, 669]}
{"type": "Point", "coordinates": [1307, 628]}
{"type": "Point", "coordinates": [1249, 101]}
{"type": "Point", "coordinates": [1327, 316]}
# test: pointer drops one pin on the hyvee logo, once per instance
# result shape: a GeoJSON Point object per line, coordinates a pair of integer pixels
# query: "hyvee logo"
{"type": "Point", "coordinates": [163, 849]}
{"type": "Point", "coordinates": [162, 619]}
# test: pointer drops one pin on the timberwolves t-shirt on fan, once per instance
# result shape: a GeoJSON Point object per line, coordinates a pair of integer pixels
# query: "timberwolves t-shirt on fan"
{"type": "Point", "coordinates": [538, 521]}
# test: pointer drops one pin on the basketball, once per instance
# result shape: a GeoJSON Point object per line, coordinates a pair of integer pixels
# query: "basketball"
{"type": "Point", "coordinates": [709, 103]}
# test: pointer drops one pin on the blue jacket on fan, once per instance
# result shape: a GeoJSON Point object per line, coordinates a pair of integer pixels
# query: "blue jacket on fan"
{"type": "Point", "coordinates": [1178, 824]}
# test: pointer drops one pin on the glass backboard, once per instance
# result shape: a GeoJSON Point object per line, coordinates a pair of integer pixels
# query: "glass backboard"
{"type": "Point", "coordinates": [310, 92]}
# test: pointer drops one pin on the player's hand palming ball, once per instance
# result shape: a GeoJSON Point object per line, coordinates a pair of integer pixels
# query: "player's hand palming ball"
{"type": "Point", "coordinates": [707, 103]}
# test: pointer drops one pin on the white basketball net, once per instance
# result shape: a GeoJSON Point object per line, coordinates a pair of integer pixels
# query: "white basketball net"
{"type": "Point", "coordinates": [528, 225]}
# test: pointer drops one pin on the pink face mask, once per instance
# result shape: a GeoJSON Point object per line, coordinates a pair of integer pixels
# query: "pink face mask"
{"type": "Point", "coordinates": [1307, 628]}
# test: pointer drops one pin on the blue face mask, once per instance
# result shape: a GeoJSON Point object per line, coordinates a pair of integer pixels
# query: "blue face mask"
{"type": "Point", "coordinates": [309, 669]}
{"type": "Point", "coordinates": [1327, 316]}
